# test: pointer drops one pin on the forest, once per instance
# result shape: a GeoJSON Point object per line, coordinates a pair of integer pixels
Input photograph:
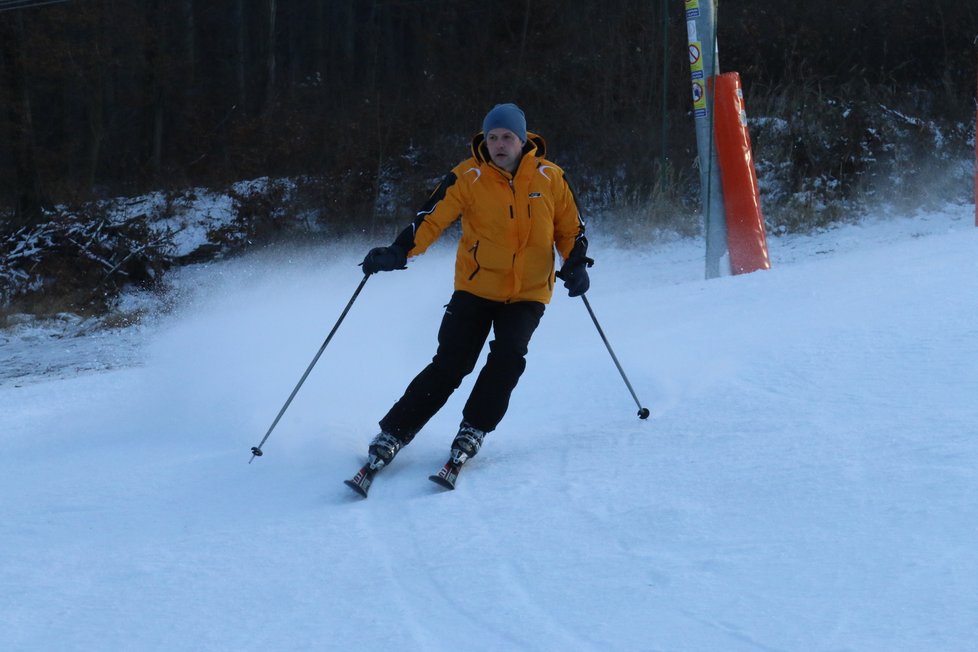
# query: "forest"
{"type": "Point", "coordinates": [366, 103]}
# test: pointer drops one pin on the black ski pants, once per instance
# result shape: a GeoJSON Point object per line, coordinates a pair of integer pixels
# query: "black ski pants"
{"type": "Point", "coordinates": [463, 332]}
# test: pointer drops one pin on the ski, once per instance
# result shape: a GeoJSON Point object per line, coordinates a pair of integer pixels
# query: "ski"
{"type": "Point", "coordinates": [447, 476]}
{"type": "Point", "coordinates": [361, 482]}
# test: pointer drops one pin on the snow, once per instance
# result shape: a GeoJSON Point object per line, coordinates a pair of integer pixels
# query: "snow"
{"type": "Point", "coordinates": [808, 479]}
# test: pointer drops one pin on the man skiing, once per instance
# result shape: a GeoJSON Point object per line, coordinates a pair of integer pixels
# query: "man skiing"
{"type": "Point", "coordinates": [515, 207]}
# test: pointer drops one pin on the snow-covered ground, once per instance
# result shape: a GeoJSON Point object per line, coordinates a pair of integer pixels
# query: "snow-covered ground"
{"type": "Point", "coordinates": [808, 479]}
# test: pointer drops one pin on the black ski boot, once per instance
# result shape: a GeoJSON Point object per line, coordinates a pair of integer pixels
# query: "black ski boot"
{"type": "Point", "coordinates": [381, 452]}
{"type": "Point", "coordinates": [467, 443]}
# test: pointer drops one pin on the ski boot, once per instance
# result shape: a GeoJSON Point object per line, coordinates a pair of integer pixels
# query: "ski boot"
{"type": "Point", "coordinates": [467, 443]}
{"type": "Point", "coordinates": [381, 452]}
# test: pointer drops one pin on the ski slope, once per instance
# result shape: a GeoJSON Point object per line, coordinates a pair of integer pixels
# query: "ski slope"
{"type": "Point", "coordinates": [808, 479]}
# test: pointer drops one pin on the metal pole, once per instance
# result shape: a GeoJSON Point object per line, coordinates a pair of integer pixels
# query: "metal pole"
{"type": "Point", "coordinates": [256, 450]}
{"type": "Point", "coordinates": [704, 64]}
{"type": "Point", "coordinates": [643, 412]}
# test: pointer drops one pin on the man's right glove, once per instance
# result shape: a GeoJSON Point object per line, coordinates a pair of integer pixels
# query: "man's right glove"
{"type": "Point", "coordinates": [384, 259]}
{"type": "Point", "coordinates": [574, 274]}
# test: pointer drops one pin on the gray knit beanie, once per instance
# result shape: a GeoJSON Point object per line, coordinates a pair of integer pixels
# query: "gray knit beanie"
{"type": "Point", "coordinates": [508, 116]}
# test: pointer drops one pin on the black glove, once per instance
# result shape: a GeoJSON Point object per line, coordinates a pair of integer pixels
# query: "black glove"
{"type": "Point", "coordinates": [574, 275]}
{"type": "Point", "coordinates": [384, 259]}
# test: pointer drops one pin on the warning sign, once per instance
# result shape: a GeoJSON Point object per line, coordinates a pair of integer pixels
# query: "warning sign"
{"type": "Point", "coordinates": [699, 100]}
{"type": "Point", "coordinates": [696, 72]}
{"type": "Point", "coordinates": [696, 60]}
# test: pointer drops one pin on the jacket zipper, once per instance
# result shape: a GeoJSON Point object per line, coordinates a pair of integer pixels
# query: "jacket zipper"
{"type": "Point", "coordinates": [512, 189]}
{"type": "Point", "coordinates": [475, 251]}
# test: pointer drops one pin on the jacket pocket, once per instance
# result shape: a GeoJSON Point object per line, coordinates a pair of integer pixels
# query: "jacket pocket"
{"type": "Point", "coordinates": [538, 267]}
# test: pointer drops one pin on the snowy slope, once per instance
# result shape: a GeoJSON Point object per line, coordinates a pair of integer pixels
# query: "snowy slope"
{"type": "Point", "coordinates": [808, 480]}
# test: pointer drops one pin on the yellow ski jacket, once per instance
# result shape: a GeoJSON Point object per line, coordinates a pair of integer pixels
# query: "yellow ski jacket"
{"type": "Point", "coordinates": [511, 224]}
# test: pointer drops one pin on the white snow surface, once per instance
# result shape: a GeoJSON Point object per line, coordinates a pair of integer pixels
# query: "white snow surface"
{"type": "Point", "coordinates": [808, 479]}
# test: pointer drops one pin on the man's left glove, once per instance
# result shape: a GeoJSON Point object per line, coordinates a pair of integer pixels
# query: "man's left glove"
{"type": "Point", "coordinates": [384, 259]}
{"type": "Point", "coordinates": [574, 274]}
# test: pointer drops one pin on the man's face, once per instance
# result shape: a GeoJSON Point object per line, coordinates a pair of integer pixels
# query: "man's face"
{"type": "Point", "coordinates": [505, 148]}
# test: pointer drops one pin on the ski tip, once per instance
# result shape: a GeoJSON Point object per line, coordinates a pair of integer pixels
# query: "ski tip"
{"type": "Point", "coordinates": [361, 482]}
{"type": "Point", "coordinates": [442, 482]}
{"type": "Point", "coordinates": [357, 488]}
{"type": "Point", "coordinates": [447, 476]}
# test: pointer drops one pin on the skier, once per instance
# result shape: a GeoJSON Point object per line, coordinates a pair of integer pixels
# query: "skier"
{"type": "Point", "coordinates": [515, 207]}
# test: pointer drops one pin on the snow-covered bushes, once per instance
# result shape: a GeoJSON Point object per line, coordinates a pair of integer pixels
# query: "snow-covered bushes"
{"type": "Point", "coordinates": [829, 154]}
{"type": "Point", "coordinates": [77, 260]}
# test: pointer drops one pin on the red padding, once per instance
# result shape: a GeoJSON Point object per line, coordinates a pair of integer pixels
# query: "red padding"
{"type": "Point", "coordinates": [746, 240]}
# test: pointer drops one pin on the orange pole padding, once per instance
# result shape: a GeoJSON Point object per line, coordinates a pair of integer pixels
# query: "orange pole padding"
{"type": "Point", "coordinates": [746, 240]}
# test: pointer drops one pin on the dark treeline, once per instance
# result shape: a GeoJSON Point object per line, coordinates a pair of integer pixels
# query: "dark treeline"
{"type": "Point", "coordinates": [101, 98]}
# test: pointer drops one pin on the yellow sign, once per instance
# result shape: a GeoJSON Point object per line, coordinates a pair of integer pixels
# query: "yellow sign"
{"type": "Point", "coordinates": [696, 59]}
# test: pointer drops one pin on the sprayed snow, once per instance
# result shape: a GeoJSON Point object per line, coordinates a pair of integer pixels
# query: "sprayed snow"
{"type": "Point", "coordinates": [807, 480]}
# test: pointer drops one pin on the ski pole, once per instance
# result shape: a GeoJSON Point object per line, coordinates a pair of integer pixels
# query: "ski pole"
{"type": "Point", "coordinates": [643, 412]}
{"type": "Point", "coordinates": [256, 450]}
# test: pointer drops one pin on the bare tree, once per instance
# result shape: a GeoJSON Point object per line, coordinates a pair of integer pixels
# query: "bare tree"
{"type": "Point", "coordinates": [27, 184]}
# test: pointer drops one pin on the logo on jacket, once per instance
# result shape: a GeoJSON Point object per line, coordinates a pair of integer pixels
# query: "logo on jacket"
{"type": "Point", "coordinates": [544, 167]}
{"type": "Point", "coordinates": [535, 195]}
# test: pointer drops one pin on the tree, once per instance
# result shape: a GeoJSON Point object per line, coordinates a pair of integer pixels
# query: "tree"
{"type": "Point", "coordinates": [27, 187]}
